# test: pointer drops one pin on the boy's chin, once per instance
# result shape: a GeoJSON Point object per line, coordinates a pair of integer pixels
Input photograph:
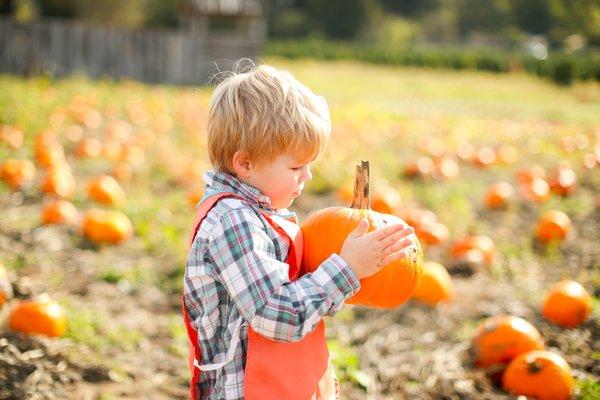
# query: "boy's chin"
{"type": "Point", "coordinates": [284, 204]}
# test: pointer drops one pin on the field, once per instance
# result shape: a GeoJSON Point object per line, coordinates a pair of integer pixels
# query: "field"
{"type": "Point", "coordinates": [125, 337]}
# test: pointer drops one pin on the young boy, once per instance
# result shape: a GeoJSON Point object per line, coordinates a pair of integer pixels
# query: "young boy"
{"type": "Point", "coordinates": [254, 321]}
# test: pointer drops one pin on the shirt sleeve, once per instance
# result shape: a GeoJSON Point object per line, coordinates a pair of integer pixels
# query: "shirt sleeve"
{"type": "Point", "coordinates": [245, 263]}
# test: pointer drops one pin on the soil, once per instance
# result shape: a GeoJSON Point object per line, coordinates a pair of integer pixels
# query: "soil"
{"type": "Point", "coordinates": [413, 352]}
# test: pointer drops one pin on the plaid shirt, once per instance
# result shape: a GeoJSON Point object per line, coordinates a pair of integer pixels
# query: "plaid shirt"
{"type": "Point", "coordinates": [236, 268]}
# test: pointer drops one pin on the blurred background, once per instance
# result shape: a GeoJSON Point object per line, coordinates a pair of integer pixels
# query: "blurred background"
{"type": "Point", "coordinates": [481, 123]}
{"type": "Point", "coordinates": [554, 38]}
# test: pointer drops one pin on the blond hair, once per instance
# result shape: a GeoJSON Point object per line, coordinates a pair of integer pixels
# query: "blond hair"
{"type": "Point", "coordinates": [265, 112]}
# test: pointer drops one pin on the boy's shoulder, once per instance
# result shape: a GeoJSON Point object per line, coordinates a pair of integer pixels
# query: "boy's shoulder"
{"type": "Point", "coordinates": [241, 210]}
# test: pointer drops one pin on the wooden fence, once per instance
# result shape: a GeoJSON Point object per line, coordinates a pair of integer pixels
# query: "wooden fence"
{"type": "Point", "coordinates": [62, 47]}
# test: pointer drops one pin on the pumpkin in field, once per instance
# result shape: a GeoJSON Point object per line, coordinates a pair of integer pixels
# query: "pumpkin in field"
{"type": "Point", "coordinates": [501, 338]}
{"type": "Point", "coordinates": [446, 168]}
{"type": "Point", "coordinates": [50, 156]}
{"type": "Point", "coordinates": [59, 181]}
{"type": "Point", "coordinates": [43, 317]}
{"type": "Point", "coordinates": [567, 304]}
{"type": "Point", "coordinates": [563, 180]}
{"type": "Point", "coordinates": [122, 171]}
{"type": "Point", "coordinates": [194, 194]}
{"type": "Point", "coordinates": [12, 136]}
{"type": "Point", "coordinates": [422, 168]}
{"type": "Point", "coordinates": [17, 173]}
{"type": "Point", "coordinates": [6, 291]}
{"type": "Point", "coordinates": [386, 200]}
{"type": "Point", "coordinates": [432, 234]}
{"type": "Point", "coordinates": [499, 195]}
{"type": "Point", "coordinates": [536, 190]}
{"type": "Point", "coordinates": [60, 212]}
{"type": "Point", "coordinates": [484, 157]}
{"type": "Point", "coordinates": [325, 231]}
{"type": "Point", "coordinates": [427, 228]}
{"type": "Point", "coordinates": [106, 226]}
{"type": "Point", "coordinates": [106, 190]}
{"type": "Point", "coordinates": [539, 374]}
{"type": "Point", "coordinates": [435, 285]}
{"type": "Point", "coordinates": [506, 154]}
{"type": "Point", "coordinates": [529, 173]}
{"type": "Point", "coordinates": [553, 225]}
{"type": "Point", "coordinates": [88, 147]}
{"type": "Point", "coordinates": [474, 243]}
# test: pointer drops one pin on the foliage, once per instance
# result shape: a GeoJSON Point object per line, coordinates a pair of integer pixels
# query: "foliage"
{"type": "Point", "coordinates": [562, 68]}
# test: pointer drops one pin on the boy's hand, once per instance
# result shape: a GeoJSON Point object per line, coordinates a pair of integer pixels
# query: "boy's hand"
{"type": "Point", "coordinates": [367, 253]}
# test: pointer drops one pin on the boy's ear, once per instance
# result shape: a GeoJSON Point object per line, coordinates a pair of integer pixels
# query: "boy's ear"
{"type": "Point", "coordinates": [241, 163]}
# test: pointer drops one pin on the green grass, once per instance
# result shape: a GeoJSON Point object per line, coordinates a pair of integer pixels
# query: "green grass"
{"type": "Point", "coordinates": [383, 91]}
{"type": "Point", "coordinates": [589, 389]}
{"type": "Point", "coordinates": [86, 326]}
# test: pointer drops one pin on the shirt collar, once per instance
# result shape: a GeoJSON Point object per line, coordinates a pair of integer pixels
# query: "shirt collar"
{"type": "Point", "coordinates": [217, 182]}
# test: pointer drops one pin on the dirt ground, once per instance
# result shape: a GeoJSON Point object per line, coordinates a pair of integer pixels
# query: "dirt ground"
{"type": "Point", "coordinates": [413, 352]}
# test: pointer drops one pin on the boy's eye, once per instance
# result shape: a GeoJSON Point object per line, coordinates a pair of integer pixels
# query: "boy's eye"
{"type": "Point", "coordinates": [297, 168]}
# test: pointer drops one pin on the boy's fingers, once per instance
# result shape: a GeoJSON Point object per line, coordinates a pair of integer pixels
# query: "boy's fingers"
{"type": "Point", "coordinates": [395, 237]}
{"type": "Point", "coordinates": [361, 228]}
{"type": "Point", "coordinates": [382, 233]}
{"type": "Point", "coordinates": [399, 255]}
{"type": "Point", "coordinates": [399, 245]}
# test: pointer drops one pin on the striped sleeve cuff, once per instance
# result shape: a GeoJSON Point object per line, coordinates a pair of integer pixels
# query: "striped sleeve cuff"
{"type": "Point", "coordinates": [337, 278]}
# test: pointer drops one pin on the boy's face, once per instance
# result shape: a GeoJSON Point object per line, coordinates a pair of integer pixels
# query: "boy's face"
{"type": "Point", "coordinates": [282, 179]}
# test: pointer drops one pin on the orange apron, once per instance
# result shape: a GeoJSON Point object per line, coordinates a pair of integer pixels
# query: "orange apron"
{"type": "Point", "coordinates": [274, 370]}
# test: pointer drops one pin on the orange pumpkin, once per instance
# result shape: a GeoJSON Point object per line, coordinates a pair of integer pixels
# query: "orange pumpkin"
{"type": "Point", "coordinates": [553, 225]}
{"type": "Point", "coordinates": [501, 338]}
{"type": "Point", "coordinates": [536, 190]}
{"type": "Point", "coordinates": [17, 173]}
{"type": "Point", "coordinates": [43, 317]}
{"type": "Point", "coordinates": [106, 226]}
{"type": "Point", "coordinates": [122, 171]}
{"type": "Point", "coordinates": [446, 169]}
{"type": "Point", "coordinates": [50, 156]}
{"type": "Point", "coordinates": [88, 147]}
{"type": "Point", "coordinates": [499, 195]}
{"type": "Point", "coordinates": [112, 150]}
{"type": "Point", "coordinates": [194, 195]}
{"type": "Point", "coordinates": [344, 192]}
{"type": "Point", "coordinates": [528, 173]}
{"type": "Point", "coordinates": [481, 243]}
{"type": "Point", "coordinates": [507, 154]}
{"type": "Point", "coordinates": [106, 190]}
{"type": "Point", "coordinates": [60, 212]}
{"type": "Point", "coordinates": [435, 285]}
{"type": "Point", "coordinates": [422, 168]}
{"type": "Point", "coordinates": [539, 374]}
{"type": "Point", "coordinates": [465, 151]}
{"type": "Point", "coordinates": [326, 230]}
{"type": "Point", "coordinates": [567, 304]}
{"type": "Point", "coordinates": [133, 155]}
{"type": "Point", "coordinates": [416, 217]}
{"type": "Point", "coordinates": [12, 136]}
{"type": "Point", "coordinates": [386, 200]}
{"type": "Point", "coordinates": [563, 180]}
{"type": "Point", "coordinates": [484, 157]}
{"type": "Point", "coordinates": [433, 234]}
{"type": "Point", "coordinates": [6, 291]}
{"type": "Point", "coordinates": [59, 181]}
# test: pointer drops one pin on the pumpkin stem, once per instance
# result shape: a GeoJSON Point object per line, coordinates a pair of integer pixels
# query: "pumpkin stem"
{"type": "Point", "coordinates": [361, 186]}
{"type": "Point", "coordinates": [534, 366]}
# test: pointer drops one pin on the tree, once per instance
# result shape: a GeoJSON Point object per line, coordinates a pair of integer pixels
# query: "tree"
{"type": "Point", "coordinates": [341, 19]}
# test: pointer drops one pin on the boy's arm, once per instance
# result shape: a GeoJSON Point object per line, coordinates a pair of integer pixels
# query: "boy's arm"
{"type": "Point", "coordinates": [243, 256]}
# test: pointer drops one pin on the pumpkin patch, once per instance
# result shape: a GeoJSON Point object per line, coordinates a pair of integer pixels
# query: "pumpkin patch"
{"type": "Point", "coordinates": [325, 231]}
